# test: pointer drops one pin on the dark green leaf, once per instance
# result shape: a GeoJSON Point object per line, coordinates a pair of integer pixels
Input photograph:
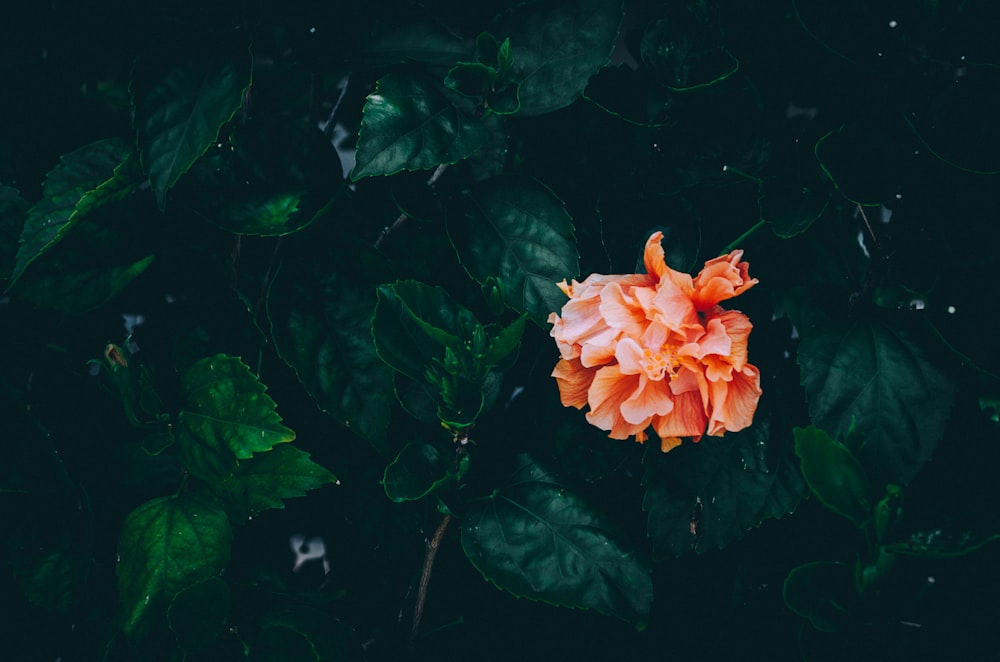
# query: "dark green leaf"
{"type": "Point", "coordinates": [180, 117]}
{"type": "Point", "coordinates": [834, 475]}
{"type": "Point", "coordinates": [686, 54]}
{"type": "Point", "coordinates": [198, 614]}
{"type": "Point", "coordinates": [824, 592]}
{"type": "Point", "coordinates": [42, 563]}
{"type": "Point", "coordinates": [471, 79]}
{"type": "Point", "coordinates": [791, 207]}
{"type": "Point", "coordinates": [84, 179]}
{"type": "Point", "coordinates": [418, 470]}
{"type": "Point", "coordinates": [409, 125]}
{"type": "Point", "coordinates": [303, 633]}
{"type": "Point", "coordinates": [516, 229]}
{"type": "Point", "coordinates": [537, 539]}
{"type": "Point", "coordinates": [13, 211]}
{"type": "Point", "coordinates": [707, 495]}
{"type": "Point", "coordinates": [265, 480]}
{"type": "Point", "coordinates": [168, 544]}
{"type": "Point", "coordinates": [874, 378]}
{"type": "Point", "coordinates": [416, 39]}
{"type": "Point", "coordinates": [556, 48]}
{"type": "Point", "coordinates": [506, 341]}
{"type": "Point", "coordinates": [863, 159]}
{"type": "Point", "coordinates": [943, 543]}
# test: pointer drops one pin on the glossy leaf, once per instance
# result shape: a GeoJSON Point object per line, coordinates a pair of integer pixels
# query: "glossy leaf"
{"type": "Point", "coordinates": [418, 470]}
{"type": "Point", "coordinates": [875, 379]}
{"type": "Point", "coordinates": [198, 614]}
{"type": "Point", "coordinates": [824, 592]}
{"type": "Point", "coordinates": [83, 180]}
{"type": "Point", "coordinates": [408, 124]}
{"type": "Point", "coordinates": [265, 480]}
{"type": "Point", "coordinates": [320, 319]}
{"type": "Point", "coordinates": [227, 416]}
{"type": "Point", "coordinates": [179, 117]}
{"type": "Point", "coordinates": [537, 539]}
{"type": "Point", "coordinates": [707, 495]}
{"type": "Point", "coordinates": [515, 229]}
{"type": "Point", "coordinates": [168, 544]}
{"type": "Point", "coordinates": [556, 48]}
{"type": "Point", "coordinates": [834, 475]}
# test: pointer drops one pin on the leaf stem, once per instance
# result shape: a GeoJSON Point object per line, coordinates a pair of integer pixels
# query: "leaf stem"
{"type": "Point", "coordinates": [743, 237]}
{"type": "Point", "coordinates": [425, 576]}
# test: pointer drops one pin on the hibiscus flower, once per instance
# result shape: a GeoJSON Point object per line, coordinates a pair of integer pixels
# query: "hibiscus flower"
{"type": "Point", "coordinates": [656, 350]}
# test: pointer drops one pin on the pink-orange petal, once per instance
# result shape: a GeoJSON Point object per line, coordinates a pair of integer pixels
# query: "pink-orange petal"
{"type": "Point", "coordinates": [735, 402]}
{"type": "Point", "coordinates": [573, 381]}
{"type": "Point", "coordinates": [651, 398]}
{"type": "Point", "coordinates": [687, 419]}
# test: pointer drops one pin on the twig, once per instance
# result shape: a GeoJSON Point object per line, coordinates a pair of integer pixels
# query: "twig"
{"type": "Point", "coordinates": [425, 576]}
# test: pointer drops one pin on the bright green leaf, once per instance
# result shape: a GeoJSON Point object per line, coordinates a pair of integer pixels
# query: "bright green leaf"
{"type": "Point", "coordinates": [516, 229]}
{"type": "Point", "coordinates": [707, 495]}
{"type": "Point", "coordinates": [409, 125]}
{"type": "Point", "coordinates": [537, 539]}
{"type": "Point", "coordinates": [824, 592]}
{"type": "Point", "coordinates": [179, 117]}
{"type": "Point", "coordinates": [418, 470]}
{"type": "Point", "coordinates": [556, 47]}
{"type": "Point", "coordinates": [834, 475]}
{"type": "Point", "coordinates": [873, 377]}
{"type": "Point", "coordinates": [198, 614]}
{"type": "Point", "coordinates": [168, 544]}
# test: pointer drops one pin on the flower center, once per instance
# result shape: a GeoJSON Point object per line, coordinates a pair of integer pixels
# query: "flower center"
{"type": "Point", "coordinates": [660, 363]}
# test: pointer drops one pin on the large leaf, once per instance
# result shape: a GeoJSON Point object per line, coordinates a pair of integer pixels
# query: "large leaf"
{"type": "Point", "coordinates": [84, 179]}
{"type": "Point", "coordinates": [320, 319]}
{"type": "Point", "coordinates": [704, 496]}
{"type": "Point", "coordinates": [872, 380]}
{"type": "Point", "coordinates": [168, 544]}
{"type": "Point", "coordinates": [227, 416]}
{"type": "Point", "coordinates": [265, 480]}
{"type": "Point", "coordinates": [411, 38]}
{"type": "Point", "coordinates": [197, 614]}
{"type": "Point", "coordinates": [834, 475]}
{"type": "Point", "coordinates": [179, 117]}
{"type": "Point", "coordinates": [537, 539]}
{"type": "Point", "coordinates": [408, 124]}
{"type": "Point", "coordinates": [515, 229]}
{"type": "Point", "coordinates": [557, 47]}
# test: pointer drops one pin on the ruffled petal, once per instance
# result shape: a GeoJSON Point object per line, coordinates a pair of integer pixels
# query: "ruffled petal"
{"type": "Point", "coordinates": [574, 381]}
{"type": "Point", "coordinates": [608, 391]}
{"type": "Point", "coordinates": [722, 278]}
{"type": "Point", "coordinates": [734, 403]}
{"type": "Point", "coordinates": [651, 398]}
{"type": "Point", "coordinates": [687, 419]}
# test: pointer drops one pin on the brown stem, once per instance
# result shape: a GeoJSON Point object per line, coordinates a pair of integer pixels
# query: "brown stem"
{"type": "Point", "coordinates": [425, 576]}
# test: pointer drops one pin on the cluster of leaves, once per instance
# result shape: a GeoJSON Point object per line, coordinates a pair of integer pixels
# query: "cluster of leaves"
{"type": "Point", "coordinates": [378, 206]}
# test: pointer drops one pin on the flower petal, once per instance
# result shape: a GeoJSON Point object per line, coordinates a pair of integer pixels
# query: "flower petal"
{"type": "Point", "coordinates": [687, 419]}
{"type": "Point", "coordinates": [734, 403]}
{"type": "Point", "coordinates": [608, 391]}
{"type": "Point", "coordinates": [651, 398]}
{"type": "Point", "coordinates": [721, 278]}
{"type": "Point", "coordinates": [574, 381]}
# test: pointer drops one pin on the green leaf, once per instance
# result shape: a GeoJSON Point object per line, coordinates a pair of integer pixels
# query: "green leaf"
{"type": "Point", "coordinates": [418, 39]}
{"type": "Point", "coordinates": [791, 207]}
{"type": "Point", "coordinates": [83, 180]}
{"type": "Point", "coordinates": [179, 117]}
{"type": "Point", "coordinates": [227, 416]}
{"type": "Point", "coordinates": [943, 543]}
{"type": "Point", "coordinates": [408, 124]}
{"type": "Point", "coordinates": [537, 539]}
{"type": "Point", "coordinates": [874, 378]}
{"type": "Point", "coordinates": [265, 480]}
{"type": "Point", "coordinates": [506, 341]}
{"type": "Point", "coordinates": [686, 54]}
{"type": "Point", "coordinates": [418, 470]}
{"type": "Point", "coordinates": [302, 633]}
{"type": "Point", "coordinates": [198, 614]}
{"type": "Point", "coordinates": [471, 79]}
{"type": "Point", "coordinates": [320, 310]}
{"type": "Point", "coordinates": [824, 592]}
{"type": "Point", "coordinates": [43, 565]}
{"type": "Point", "coordinates": [13, 212]}
{"type": "Point", "coordinates": [707, 495]}
{"type": "Point", "coordinates": [515, 229]}
{"type": "Point", "coordinates": [168, 544]}
{"type": "Point", "coordinates": [556, 48]}
{"type": "Point", "coordinates": [834, 475]}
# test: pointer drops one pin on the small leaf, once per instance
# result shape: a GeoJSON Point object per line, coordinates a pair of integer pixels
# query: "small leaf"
{"type": "Point", "coordinates": [537, 539]}
{"type": "Point", "coordinates": [418, 470]}
{"type": "Point", "coordinates": [227, 416]}
{"type": "Point", "coordinates": [824, 592]}
{"type": "Point", "coordinates": [506, 341]}
{"type": "Point", "coordinates": [515, 229]}
{"type": "Point", "coordinates": [556, 47]}
{"type": "Point", "coordinates": [834, 475]}
{"type": "Point", "coordinates": [471, 79]}
{"type": "Point", "coordinates": [265, 480]}
{"type": "Point", "coordinates": [873, 377]}
{"type": "Point", "coordinates": [198, 614]}
{"type": "Point", "coordinates": [168, 544]}
{"type": "Point", "coordinates": [409, 125]}
{"type": "Point", "coordinates": [179, 117]}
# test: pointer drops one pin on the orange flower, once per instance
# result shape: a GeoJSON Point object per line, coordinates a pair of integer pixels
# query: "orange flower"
{"type": "Point", "coordinates": [656, 349]}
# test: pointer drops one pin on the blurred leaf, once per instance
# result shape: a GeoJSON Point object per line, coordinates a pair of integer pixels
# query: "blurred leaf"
{"type": "Point", "coordinates": [867, 159]}
{"type": "Point", "coordinates": [418, 470]}
{"type": "Point", "coordinates": [874, 378]}
{"type": "Point", "coordinates": [418, 39]}
{"type": "Point", "coordinates": [515, 229]}
{"type": "Point", "coordinates": [227, 416]}
{"type": "Point", "coordinates": [42, 563]}
{"type": "Point", "coordinates": [556, 48]}
{"type": "Point", "coordinates": [303, 633]}
{"type": "Point", "coordinates": [943, 543]}
{"type": "Point", "coordinates": [265, 480]}
{"type": "Point", "coordinates": [168, 544]}
{"type": "Point", "coordinates": [13, 212]}
{"type": "Point", "coordinates": [824, 592]}
{"type": "Point", "coordinates": [707, 495]}
{"type": "Point", "coordinates": [791, 207]}
{"type": "Point", "coordinates": [178, 118]}
{"type": "Point", "coordinates": [321, 323]}
{"type": "Point", "coordinates": [198, 614]}
{"type": "Point", "coordinates": [686, 54]}
{"type": "Point", "coordinates": [408, 124]}
{"type": "Point", "coordinates": [82, 181]}
{"type": "Point", "coordinates": [537, 539]}
{"type": "Point", "coordinates": [834, 475]}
